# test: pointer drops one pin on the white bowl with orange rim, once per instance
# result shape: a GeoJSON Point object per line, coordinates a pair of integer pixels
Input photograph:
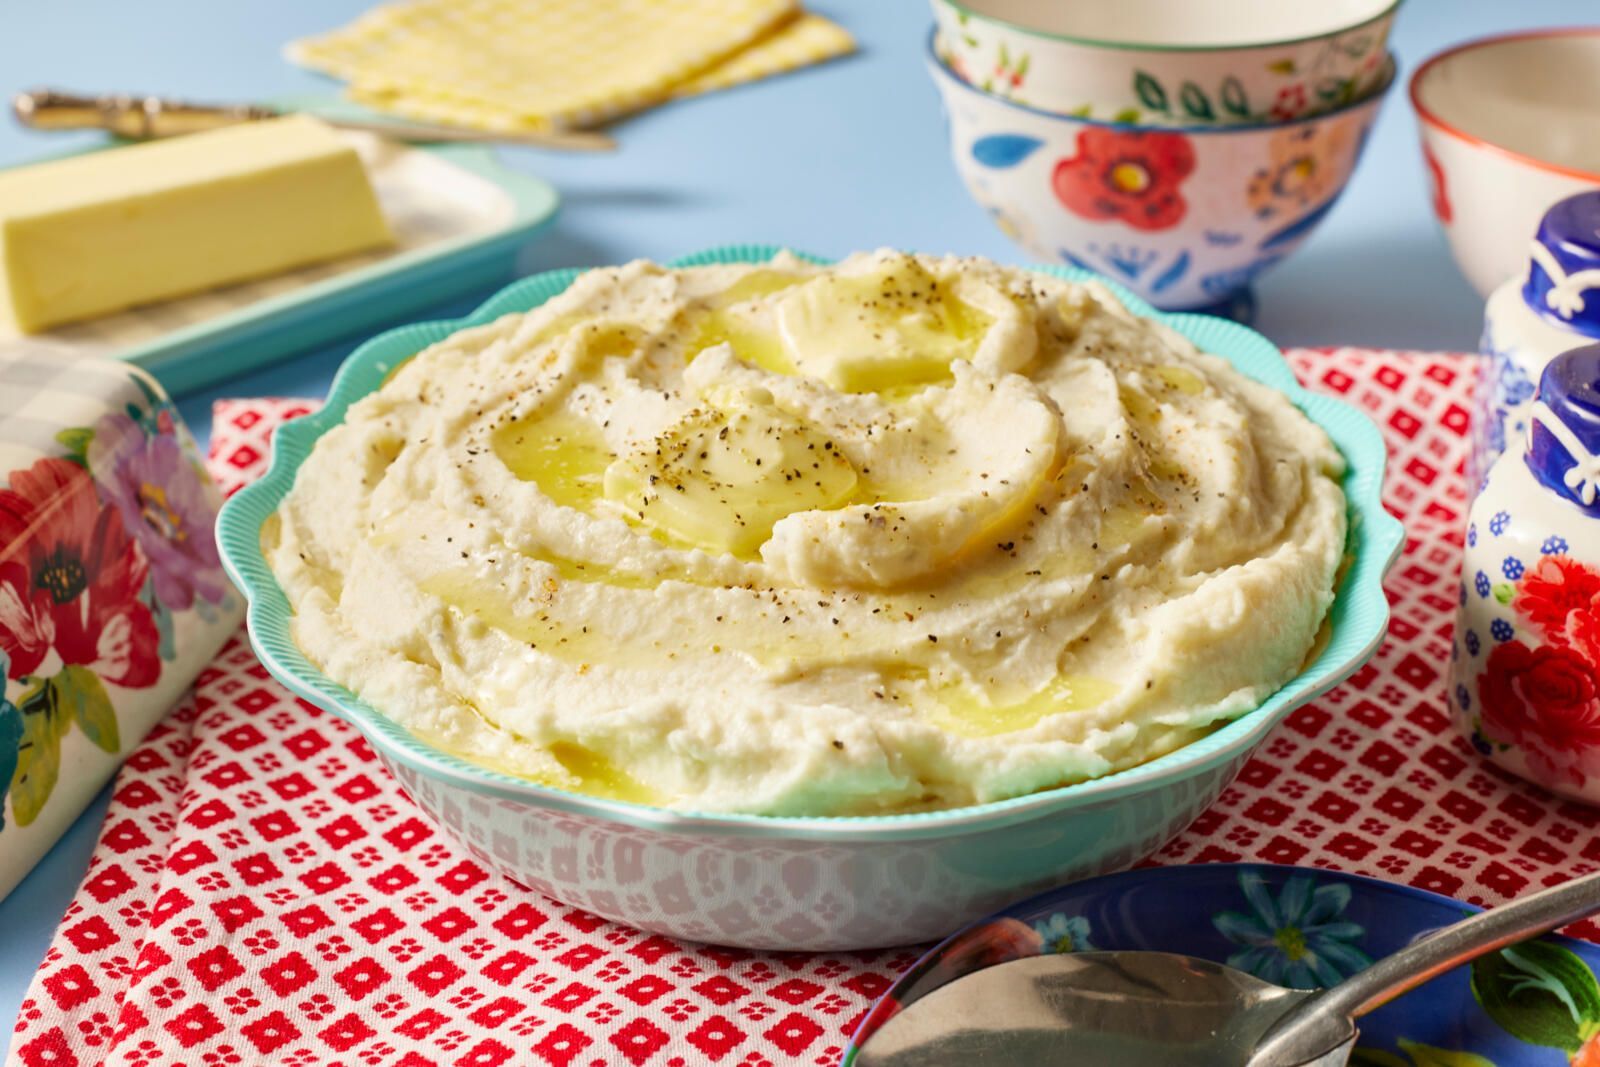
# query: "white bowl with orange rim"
{"type": "Point", "coordinates": [1510, 124]}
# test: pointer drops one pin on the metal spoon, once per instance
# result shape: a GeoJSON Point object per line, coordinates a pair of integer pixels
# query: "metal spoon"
{"type": "Point", "coordinates": [1159, 1009]}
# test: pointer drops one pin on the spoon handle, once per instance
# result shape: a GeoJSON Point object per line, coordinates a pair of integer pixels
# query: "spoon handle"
{"type": "Point", "coordinates": [1321, 1023]}
{"type": "Point", "coordinates": [1546, 910]}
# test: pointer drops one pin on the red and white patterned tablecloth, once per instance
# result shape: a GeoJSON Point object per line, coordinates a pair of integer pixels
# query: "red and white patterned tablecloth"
{"type": "Point", "coordinates": [263, 892]}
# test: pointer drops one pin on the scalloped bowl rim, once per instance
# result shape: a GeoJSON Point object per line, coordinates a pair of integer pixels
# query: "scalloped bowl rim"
{"type": "Point", "coordinates": [1359, 614]}
{"type": "Point", "coordinates": [1373, 97]}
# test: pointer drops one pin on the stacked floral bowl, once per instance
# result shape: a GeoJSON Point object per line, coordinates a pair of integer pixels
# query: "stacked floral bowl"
{"type": "Point", "coordinates": [1182, 149]}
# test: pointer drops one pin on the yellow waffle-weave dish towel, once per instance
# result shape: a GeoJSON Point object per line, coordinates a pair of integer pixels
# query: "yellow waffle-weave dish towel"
{"type": "Point", "coordinates": [541, 64]}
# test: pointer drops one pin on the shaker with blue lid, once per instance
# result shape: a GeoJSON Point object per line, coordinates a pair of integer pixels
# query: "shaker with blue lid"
{"type": "Point", "coordinates": [1531, 319]}
{"type": "Point", "coordinates": [1525, 663]}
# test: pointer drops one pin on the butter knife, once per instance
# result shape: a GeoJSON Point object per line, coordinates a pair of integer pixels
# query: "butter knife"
{"type": "Point", "coordinates": [146, 117]}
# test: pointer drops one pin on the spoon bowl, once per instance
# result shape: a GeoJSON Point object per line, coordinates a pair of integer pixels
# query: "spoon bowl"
{"type": "Point", "coordinates": [1154, 1009]}
{"type": "Point", "coordinates": [1159, 1009]}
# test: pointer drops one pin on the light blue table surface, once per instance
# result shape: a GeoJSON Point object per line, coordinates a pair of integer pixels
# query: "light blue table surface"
{"type": "Point", "coordinates": [846, 156]}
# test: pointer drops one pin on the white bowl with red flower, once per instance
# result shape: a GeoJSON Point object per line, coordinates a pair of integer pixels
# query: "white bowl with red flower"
{"type": "Point", "coordinates": [1186, 216]}
{"type": "Point", "coordinates": [1508, 126]}
{"type": "Point", "coordinates": [1244, 62]}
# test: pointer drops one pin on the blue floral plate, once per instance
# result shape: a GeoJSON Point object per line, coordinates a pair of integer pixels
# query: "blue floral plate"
{"type": "Point", "coordinates": [1532, 1005]}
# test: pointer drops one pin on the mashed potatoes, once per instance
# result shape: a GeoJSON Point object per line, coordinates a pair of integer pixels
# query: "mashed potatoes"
{"type": "Point", "coordinates": [898, 534]}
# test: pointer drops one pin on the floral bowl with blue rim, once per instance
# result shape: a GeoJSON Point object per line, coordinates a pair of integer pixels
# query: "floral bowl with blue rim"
{"type": "Point", "coordinates": [1246, 62]}
{"type": "Point", "coordinates": [812, 884]}
{"type": "Point", "coordinates": [1185, 216]}
{"type": "Point", "coordinates": [1536, 1004]}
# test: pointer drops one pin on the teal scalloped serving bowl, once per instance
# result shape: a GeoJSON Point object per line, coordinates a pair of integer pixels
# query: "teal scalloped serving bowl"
{"type": "Point", "coordinates": [812, 884]}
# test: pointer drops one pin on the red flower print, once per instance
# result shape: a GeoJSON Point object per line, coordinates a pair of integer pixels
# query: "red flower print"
{"type": "Point", "coordinates": [1130, 176]}
{"type": "Point", "coordinates": [1441, 195]}
{"type": "Point", "coordinates": [1584, 626]}
{"type": "Point", "coordinates": [1290, 103]}
{"type": "Point", "coordinates": [1588, 1055]}
{"type": "Point", "coordinates": [1546, 700]}
{"type": "Point", "coordinates": [70, 579]}
{"type": "Point", "coordinates": [1560, 596]}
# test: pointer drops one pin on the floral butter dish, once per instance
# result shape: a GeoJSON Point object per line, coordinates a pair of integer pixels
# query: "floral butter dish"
{"type": "Point", "coordinates": [1529, 1005]}
{"type": "Point", "coordinates": [112, 595]}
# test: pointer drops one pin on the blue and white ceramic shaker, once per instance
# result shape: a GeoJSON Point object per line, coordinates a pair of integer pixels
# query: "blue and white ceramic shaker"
{"type": "Point", "coordinates": [1525, 663]}
{"type": "Point", "coordinates": [1533, 318]}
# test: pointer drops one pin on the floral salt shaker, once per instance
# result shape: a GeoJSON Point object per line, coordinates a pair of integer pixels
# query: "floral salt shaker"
{"type": "Point", "coordinates": [1525, 670]}
{"type": "Point", "coordinates": [1533, 318]}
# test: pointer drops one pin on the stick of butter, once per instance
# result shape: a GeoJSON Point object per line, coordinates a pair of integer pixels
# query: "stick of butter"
{"type": "Point", "coordinates": [104, 231]}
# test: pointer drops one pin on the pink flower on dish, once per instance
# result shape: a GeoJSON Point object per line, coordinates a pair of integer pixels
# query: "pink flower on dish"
{"type": "Point", "coordinates": [166, 505]}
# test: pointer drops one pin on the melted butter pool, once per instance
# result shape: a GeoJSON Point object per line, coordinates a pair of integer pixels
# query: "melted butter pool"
{"type": "Point", "coordinates": [598, 776]}
{"type": "Point", "coordinates": [717, 324]}
{"type": "Point", "coordinates": [1182, 379]}
{"type": "Point", "coordinates": [968, 714]}
{"type": "Point", "coordinates": [563, 454]}
{"type": "Point", "coordinates": [889, 331]}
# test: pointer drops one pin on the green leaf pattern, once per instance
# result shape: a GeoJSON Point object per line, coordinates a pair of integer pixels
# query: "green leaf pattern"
{"type": "Point", "coordinates": [1232, 100]}
{"type": "Point", "coordinates": [76, 441]}
{"type": "Point", "coordinates": [1009, 73]}
{"type": "Point", "coordinates": [1322, 76]}
{"type": "Point", "coordinates": [1150, 91]}
{"type": "Point", "coordinates": [1428, 1056]}
{"type": "Point", "coordinates": [47, 710]}
{"type": "Point", "coordinates": [31, 733]}
{"type": "Point", "coordinates": [1195, 102]}
{"type": "Point", "coordinates": [1537, 992]}
{"type": "Point", "coordinates": [82, 691]}
{"type": "Point", "coordinates": [39, 751]}
{"type": "Point", "coordinates": [1540, 994]}
{"type": "Point", "coordinates": [1417, 1055]}
{"type": "Point", "coordinates": [1235, 101]}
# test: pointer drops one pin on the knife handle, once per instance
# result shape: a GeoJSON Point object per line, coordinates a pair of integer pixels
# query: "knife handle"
{"type": "Point", "coordinates": [141, 118]}
{"type": "Point", "coordinates": [136, 117]}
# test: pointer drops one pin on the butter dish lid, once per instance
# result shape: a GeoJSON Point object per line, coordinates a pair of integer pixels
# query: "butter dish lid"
{"type": "Point", "coordinates": [1564, 432]}
{"type": "Point", "coordinates": [1563, 284]}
